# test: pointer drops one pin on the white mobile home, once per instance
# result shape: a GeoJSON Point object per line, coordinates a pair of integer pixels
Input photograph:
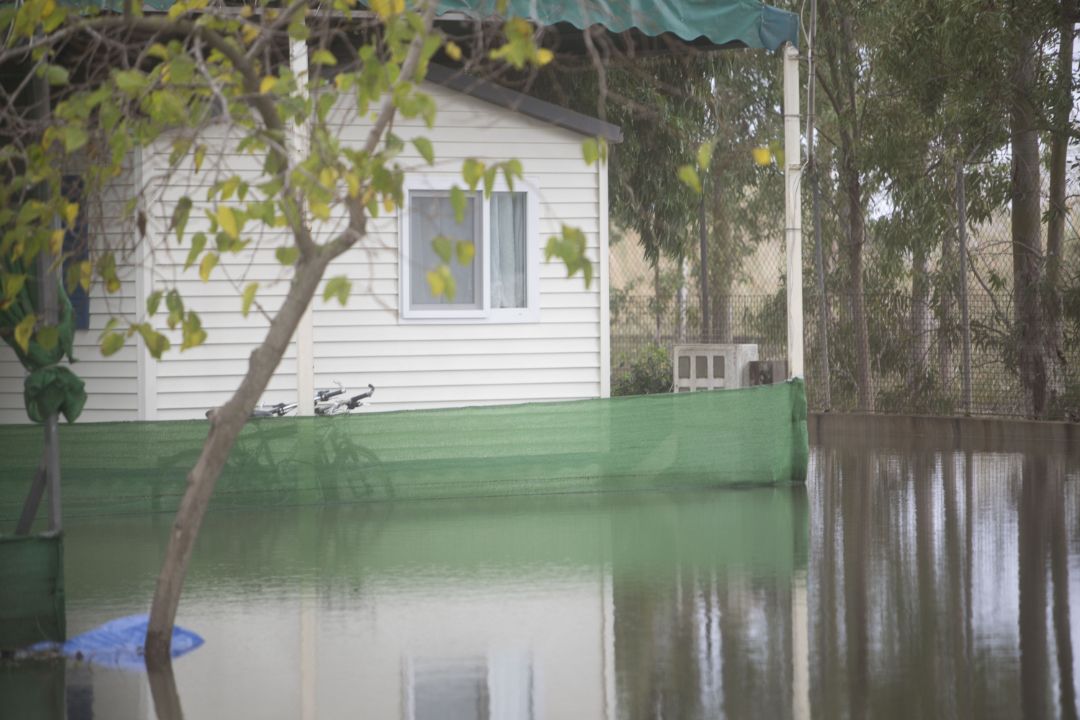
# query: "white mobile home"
{"type": "Point", "coordinates": [517, 330]}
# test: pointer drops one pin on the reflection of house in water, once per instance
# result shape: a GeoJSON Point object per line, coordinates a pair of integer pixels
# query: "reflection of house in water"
{"type": "Point", "coordinates": [561, 607]}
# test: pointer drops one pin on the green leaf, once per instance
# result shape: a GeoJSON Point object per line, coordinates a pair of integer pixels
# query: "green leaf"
{"type": "Point", "coordinates": [130, 82]}
{"type": "Point", "coordinates": [287, 255]}
{"type": "Point", "coordinates": [459, 202]}
{"type": "Point", "coordinates": [153, 302]}
{"type": "Point", "coordinates": [48, 336]}
{"type": "Point", "coordinates": [323, 56]}
{"type": "Point", "coordinates": [180, 217]}
{"type": "Point", "coordinates": [704, 155]}
{"type": "Point", "coordinates": [209, 262]}
{"type": "Point", "coordinates": [74, 138]}
{"type": "Point", "coordinates": [590, 150]}
{"type": "Point", "coordinates": [192, 333]}
{"type": "Point", "coordinates": [111, 342]}
{"type": "Point", "coordinates": [339, 287]}
{"type": "Point", "coordinates": [198, 242]}
{"type": "Point", "coordinates": [175, 305]}
{"type": "Point", "coordinates": [465, 251]}
{"type": "Point", "coordinates": [424, 147]}
{"type": "Point", "coordinates": [156, 343]}
{"type": "Point", "coordinates": [13, 284]}
{"type": "Point", "coordinates": [200, 155]}
{"type": "Point", "coordinates": [443, 247]}
{"type": "Point", "coordinates": [472, 171]}
{"type": "Point", "coordinates": [690, 178]}
{"type": "Point", "coordinates": [56, 75]}
{"type": "Point", "coordinates": [248, 297]}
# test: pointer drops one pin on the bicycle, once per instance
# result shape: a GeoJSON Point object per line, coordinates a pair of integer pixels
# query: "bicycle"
{"type": "Point", "coordinates": [328, 401]}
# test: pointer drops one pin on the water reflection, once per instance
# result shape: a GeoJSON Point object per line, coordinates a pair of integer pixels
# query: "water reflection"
{"type": "Point", "coordinates": [900, 582]}
{"type": "Point", "coordinates": [940, 583]}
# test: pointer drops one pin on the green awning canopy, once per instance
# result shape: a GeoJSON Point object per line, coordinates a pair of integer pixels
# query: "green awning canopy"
{"type": "Point", "coordinates": [748, 23]}
{"type": "Point", "coordinates": [721, 22]}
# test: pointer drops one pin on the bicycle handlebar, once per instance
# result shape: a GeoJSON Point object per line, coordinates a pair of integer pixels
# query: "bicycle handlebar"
{"type": "Point", "coordinates": [354, 401]}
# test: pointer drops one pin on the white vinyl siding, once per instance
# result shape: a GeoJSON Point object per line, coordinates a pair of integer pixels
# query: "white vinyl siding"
{"type": "Point", "coordinates": [412, 363]}
{"type": "Point", "coordinates": [111, 382]}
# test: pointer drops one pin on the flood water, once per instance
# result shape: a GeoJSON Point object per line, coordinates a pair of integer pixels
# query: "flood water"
{"type": "Point", "coordinates": [897, 583]}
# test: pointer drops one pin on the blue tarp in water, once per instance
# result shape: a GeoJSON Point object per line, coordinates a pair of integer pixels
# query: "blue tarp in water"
{"type": "Point", "coordinates": [119, 643]}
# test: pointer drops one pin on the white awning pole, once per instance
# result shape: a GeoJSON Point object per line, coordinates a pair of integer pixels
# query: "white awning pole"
{"type": "Point", "coordinates": [305, 341]}
{"type": "Point", "coordinates": [793, 211]}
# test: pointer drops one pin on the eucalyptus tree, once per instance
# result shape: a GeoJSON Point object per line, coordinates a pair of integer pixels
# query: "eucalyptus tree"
{"type": "Point", "coordinates": [124, 80]}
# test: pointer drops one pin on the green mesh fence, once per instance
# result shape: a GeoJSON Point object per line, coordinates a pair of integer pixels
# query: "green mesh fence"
{"type": "Point", "coordinates": [31, 590]}
{"type": "Point", "coordinates": [750, 436]}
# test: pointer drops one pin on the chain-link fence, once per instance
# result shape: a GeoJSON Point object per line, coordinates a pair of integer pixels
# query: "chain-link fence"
{"type": "Point", "coordinates": [915, 366]}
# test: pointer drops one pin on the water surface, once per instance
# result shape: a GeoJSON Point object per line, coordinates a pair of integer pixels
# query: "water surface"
{"type": "Point", "coordinates": [898, 583]}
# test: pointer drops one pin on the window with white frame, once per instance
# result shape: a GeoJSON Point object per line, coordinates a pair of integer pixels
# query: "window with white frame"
{"type": "Point", "coordinates": [499, 282]}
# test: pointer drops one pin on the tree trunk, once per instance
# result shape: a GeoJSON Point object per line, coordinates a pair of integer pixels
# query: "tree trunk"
{"type": "Point", "coordinates": [1028, 319]}
{"type": "Point", "coordinates": [1055, 230]}
{"type": "Point", "coordinates": [225, 425]}
{"type": "Point", "coordinates": [657, 305]}
{"type": "Point", "coordinates": [947, 279]}
{"type": "Point", "coordinates": [965, 315]}
{"type": "Point", "coordinates": [856, 239]}
{"type": "Point", "coordinates": [920, 318]}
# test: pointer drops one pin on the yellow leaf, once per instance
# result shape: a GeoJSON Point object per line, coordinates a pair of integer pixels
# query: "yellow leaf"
{"type": "Point", "coordinates": [320, 210]}
{"type": "Point", "coordinates": [250, 33]}
{"type": "Point", "coordinates": [247, 11]}
{"type": "Point", "coordinates": [112, 285]}
{"type": "Point", "coordinates": [86, 274]}
{"type": "Point", "coordinates": [227, 220]}
{"type": "Point", "coordinates": [24, 330]}
{"type": "Point", "coordinates": [382, 8]}
{"type": "Point", "coordinates": [353, 183]}
{"type": "Point", "coordinates": [267, 84]}
{"type": "Point", "coordinates": [453, 51]}
{"type": "Point", "coordinates": [71, 213]}
{"type": "Point", "coordinates": [436, 283]}
{"type": "Point", "coordinates": [399, 7]}
{"type": "Point", "coordinates": [328, 177]}
{"type": "Point", "coordinates": [762, 156]}
{"type": "Point", "coordinates": [56, 242]}
{"type": "Point", "coordinates": [544, 56]}
{"type": "Point", "coordinates": [48, 8]}
{"type": "Point", "coordinates": [209, 261]}
{"type": "Point", "coordinates": [388, 203]}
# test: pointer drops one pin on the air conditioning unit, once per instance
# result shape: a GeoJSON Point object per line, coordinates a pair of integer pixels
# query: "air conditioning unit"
{"type": "Point", "coordinates": [767, 372]}
{"type": "Point", "coordinates": [711, 367]}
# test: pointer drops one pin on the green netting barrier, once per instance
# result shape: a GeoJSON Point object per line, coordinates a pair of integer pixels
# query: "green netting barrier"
{"type": "Point", "coordinates": [31, 590]}
{"type": "Point", "coordinates": [692, 440]}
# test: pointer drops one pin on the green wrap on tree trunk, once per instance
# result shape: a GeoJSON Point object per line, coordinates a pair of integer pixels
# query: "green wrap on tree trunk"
{"type": "Point", "coordinates": [49, 388]}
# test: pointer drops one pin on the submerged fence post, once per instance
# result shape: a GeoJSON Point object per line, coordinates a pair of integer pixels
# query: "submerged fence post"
{"type": "Point", "coordinates": [965, 320]}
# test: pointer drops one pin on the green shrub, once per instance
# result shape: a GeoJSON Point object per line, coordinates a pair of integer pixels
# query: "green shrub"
{"type": "Point", "coordinates": [644, 373]}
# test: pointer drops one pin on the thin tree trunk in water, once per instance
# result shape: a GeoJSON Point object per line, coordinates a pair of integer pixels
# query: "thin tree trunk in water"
{"type": "Point", "coordinates": [1027, 228]}
{"type": "Point", "coordinates": [225, 426]}
{"type": "Point", "coordinates": [1055, 229]}
{"type": "Point", "coordinates": [920, 318]}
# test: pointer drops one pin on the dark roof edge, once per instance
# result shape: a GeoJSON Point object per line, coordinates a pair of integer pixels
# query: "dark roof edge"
{"type": "Point", "coordinates": [522, 103]}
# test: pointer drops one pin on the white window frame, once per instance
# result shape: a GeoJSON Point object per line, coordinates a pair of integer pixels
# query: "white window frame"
{"type": "Point", "coordinates": [485, 314]}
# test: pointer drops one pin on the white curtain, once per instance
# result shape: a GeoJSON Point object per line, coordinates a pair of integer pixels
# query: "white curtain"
{"type": "Point", "coordinates": [431, 215]}
{"type": "Point", "coordinates": [508, 250]}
